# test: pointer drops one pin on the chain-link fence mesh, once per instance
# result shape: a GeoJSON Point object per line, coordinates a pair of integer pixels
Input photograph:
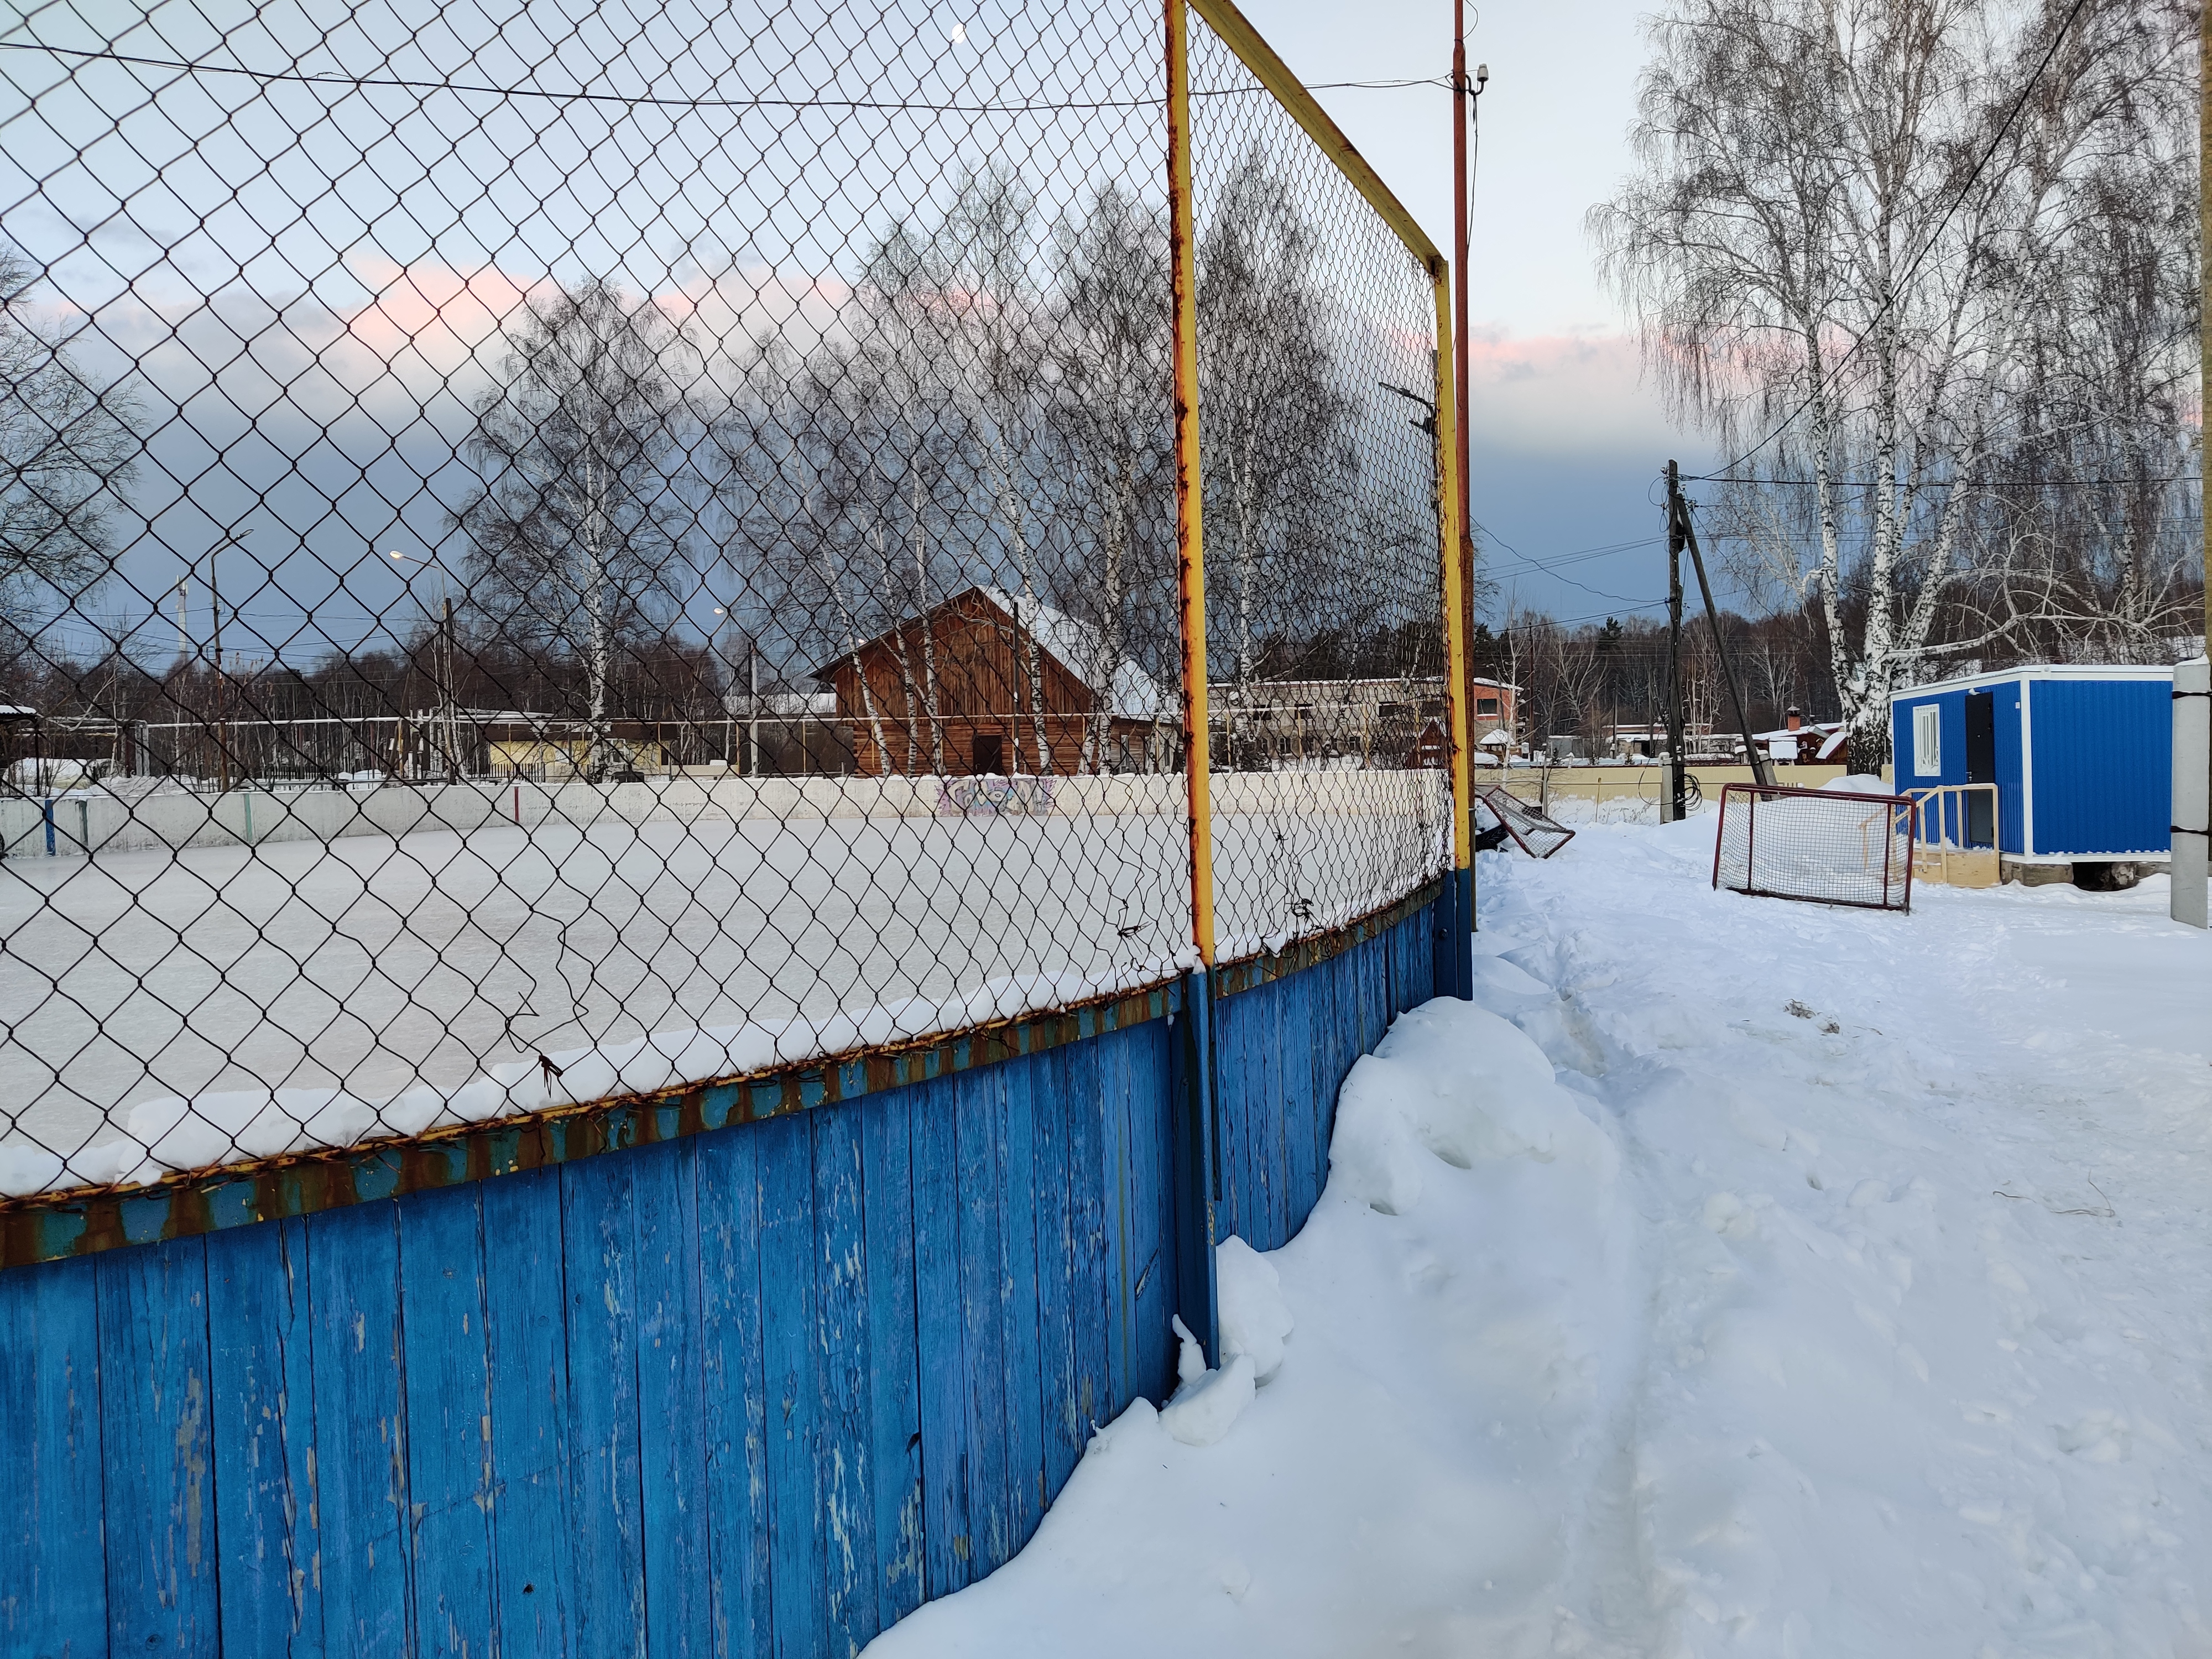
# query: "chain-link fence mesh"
{"type": "Point", "coordinates": [1317, 377]}
{"type": "Point", "coordinates": [562, 551]}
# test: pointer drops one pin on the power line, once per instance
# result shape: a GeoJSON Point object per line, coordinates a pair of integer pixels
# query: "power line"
{"type": "Point", "coordinates": [1531, 563]}
{"type": "Point", "coordinates": [357, 82]}
{"type": "Point", "coordinates": [1949, 484]}
{"type": "Point", "coordinates": [1927, 247]}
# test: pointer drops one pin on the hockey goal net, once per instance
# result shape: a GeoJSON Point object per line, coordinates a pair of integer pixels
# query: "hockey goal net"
{"type": "Point", "coordinates": [1825, 846]}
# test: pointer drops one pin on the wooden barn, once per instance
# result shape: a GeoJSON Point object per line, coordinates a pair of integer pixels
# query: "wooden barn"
{"type": "Point", "coordinates": [951, 691]}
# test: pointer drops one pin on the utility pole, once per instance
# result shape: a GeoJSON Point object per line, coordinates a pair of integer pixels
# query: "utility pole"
{"type": "Point", "coordinates": [452, 710]}
{"type": "Point", "coordinates": [1762, 771]}
{"type": "Point", "coordinates": [214, 602]}
{"type": "Point", "coordinates": [1674, 805]}
{"type": "Point", "coordinates": [1464, 98]}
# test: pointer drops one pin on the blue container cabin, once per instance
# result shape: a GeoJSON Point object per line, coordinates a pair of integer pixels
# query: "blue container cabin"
{"type": "Point", "coordinates": [2080, 755]}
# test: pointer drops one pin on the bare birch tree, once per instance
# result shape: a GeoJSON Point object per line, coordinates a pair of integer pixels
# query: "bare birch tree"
{"type": "Point", "coordinates": [578, 524]}
{"type": "Point", "coordinates": [1832, 239]}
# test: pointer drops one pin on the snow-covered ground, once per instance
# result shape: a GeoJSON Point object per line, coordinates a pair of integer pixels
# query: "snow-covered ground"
{"type": "Point", "coordinates": [1737, 1277]}
{"type": "Point", "coordinates": [164, 1009]}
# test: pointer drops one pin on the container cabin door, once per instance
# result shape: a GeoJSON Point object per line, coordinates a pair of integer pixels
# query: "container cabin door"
{"type": "Point", "coordinates": [1981, 768]}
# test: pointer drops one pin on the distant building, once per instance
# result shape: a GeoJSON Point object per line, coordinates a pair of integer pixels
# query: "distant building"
{"type": "Point", "coordinates": [952, 690]}
{"type": "Point", "coordinates": [1388, 723]}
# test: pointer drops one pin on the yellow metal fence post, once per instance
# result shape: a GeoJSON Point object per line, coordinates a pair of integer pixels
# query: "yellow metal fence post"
{"type": "Point", "coordinates": [1197, 1167]}
{"type": "Point", "coordinates": [1456, 685]}
{"type": "Point", "coordinates": [1190, 538]}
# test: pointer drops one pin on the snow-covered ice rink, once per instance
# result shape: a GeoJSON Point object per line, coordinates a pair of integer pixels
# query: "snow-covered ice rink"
{"type": "Point", "coordinates": [1737, 1277]}
{"type": "Point", "coordinates": [166, 1010]}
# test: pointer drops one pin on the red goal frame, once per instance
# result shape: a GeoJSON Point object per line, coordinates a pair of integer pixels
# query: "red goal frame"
{"type": "Point", "coordinates": [1899, 816]}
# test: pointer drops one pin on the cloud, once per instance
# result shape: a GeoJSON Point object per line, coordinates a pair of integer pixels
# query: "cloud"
{"type": "Point", "coordinates": [1565, 393]}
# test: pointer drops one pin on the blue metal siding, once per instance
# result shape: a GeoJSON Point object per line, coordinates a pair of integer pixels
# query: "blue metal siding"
{"type": "Point", "coordinates": [2102, 766]}
{"type": "Point", "coordinates": [1952, 702]}
{"type": "Point", "coordinates": [760, 1390]}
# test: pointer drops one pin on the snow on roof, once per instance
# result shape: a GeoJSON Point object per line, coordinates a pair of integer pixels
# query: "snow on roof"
{"type": "Point", "coordinates": [1077, 648]}
{"type": "Point", "coordinates": [2053, 670]}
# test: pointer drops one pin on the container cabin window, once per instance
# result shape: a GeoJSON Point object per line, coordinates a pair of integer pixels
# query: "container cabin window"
{"type": "Point", "coordinates": [1927, 740]}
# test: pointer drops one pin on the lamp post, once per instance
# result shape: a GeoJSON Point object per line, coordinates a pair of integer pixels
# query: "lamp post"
{"type": "Point", "coordinates": [214, 602]}
{"type": "Point", "coordinates": [442, 659]}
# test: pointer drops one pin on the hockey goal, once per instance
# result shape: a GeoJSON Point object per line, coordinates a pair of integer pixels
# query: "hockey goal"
{"type": "Point", "coordinates": [1824, 845]}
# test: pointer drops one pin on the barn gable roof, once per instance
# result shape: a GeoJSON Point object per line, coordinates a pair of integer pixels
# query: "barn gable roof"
{"type": "Point", "coordinates": [1077, 648]}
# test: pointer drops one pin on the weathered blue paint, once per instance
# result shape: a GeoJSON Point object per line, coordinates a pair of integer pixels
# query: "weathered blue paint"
{"type": "Point", "coordinates": [756, 1389]}
{"type": "Point", "coordinates": [2083, 757]}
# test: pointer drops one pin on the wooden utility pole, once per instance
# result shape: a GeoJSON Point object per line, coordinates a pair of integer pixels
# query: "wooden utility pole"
{"type": "Point", "coordinates": [1675, 807]}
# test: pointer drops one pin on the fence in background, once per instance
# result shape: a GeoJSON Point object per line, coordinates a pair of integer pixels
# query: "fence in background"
{"type": "Point", "coordinates": [628, 1199]}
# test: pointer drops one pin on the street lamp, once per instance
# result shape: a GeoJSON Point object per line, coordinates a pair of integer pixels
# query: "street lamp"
{"type": "Point", "coordinates": [449, 714]}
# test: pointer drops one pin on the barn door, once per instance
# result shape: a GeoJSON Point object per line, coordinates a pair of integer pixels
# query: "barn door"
{"type": "Point", "coordinates": [1981, 766]}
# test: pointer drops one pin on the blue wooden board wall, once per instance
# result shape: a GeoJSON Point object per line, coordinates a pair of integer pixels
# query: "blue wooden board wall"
{"type": "Point", "coordinates": [760, 1391]}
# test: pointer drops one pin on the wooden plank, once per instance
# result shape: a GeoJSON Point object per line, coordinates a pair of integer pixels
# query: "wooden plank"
{"type": "Point", "coordinates": [672, 1447]}
{"type": "Point", "coordinates": [843, 1354]}
{"type": "Point", "coordinates": [448, 1394]}
{"type": "Point", "coordinates": [734, 1420]}
{"type": "Point", "coordinates": [1058, 1101]}
{"type": "Point", "coordinates": [1121, 1273]}
{"type": "Point", "coordinates": [894, 1380]}
{"type": "Point", "coordinates": [527, 1343]}
{"type": "Point", "coordinates": [1023, 1405]}
{"type": "Point", "coordinates": [1089, 1307]}
{"type": "Point", "coordinates": [53, 1592]}
{"type": "Point", "coordinates": [598, 1248]}
{"type": "Point", "coordinates": [1141, 1068]}
{"type": "Point", "coordinates": [360, 1445]}
{"type": "Point", "coordinates": [940, 1354]}
{"type": "Point", "coordinates": [788, 1292]}
{"type": "Point", "coordinates": [261, 1374]}
{"type": "Point", "coordinates": [982, 1129]}
{"type": "Point", "coordinates": [159, 1497]}
{"type": "Point", "coordinates": [1306, 1012]}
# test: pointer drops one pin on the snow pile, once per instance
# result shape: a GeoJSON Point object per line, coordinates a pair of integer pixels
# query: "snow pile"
{"type": "Point", "coordinates": [1330, 1489]}
{"type": "Point", "coordinates": [1737, 1277]}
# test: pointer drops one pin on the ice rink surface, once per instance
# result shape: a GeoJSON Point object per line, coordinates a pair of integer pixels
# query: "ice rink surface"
{"type": "Point", "coordinates": [219, 1002]}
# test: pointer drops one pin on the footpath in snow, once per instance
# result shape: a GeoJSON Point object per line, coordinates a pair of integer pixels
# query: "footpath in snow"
{"type": "Point", "coordinates": [1736, 1277]}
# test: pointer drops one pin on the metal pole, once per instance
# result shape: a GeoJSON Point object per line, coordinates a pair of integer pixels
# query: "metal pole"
{"type": "Point", "coordinates": [752, 710]}
{"type": "Point", "coordinates": [1197, 1171]}
{"type": "Point", "coordinates": [1456, 455]}
{"type": "Point", "coordinates": [1452, 547]}
{"type": "Point", "coordinates": [222, 732]}
{"type": "Point", "coordinates": [446, 688]}
{"type": "Point", "coordinates": [1677, 803]}
{"type": "Point", "coordinates": [1190, 541]}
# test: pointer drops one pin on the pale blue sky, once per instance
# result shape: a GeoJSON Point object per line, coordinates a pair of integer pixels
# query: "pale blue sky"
{"type": "Point", "coordinates": [1567, 438]}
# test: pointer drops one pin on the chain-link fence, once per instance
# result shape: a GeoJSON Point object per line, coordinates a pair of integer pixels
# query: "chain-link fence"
{"type": "Point", "coordinates": [560, 551]}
